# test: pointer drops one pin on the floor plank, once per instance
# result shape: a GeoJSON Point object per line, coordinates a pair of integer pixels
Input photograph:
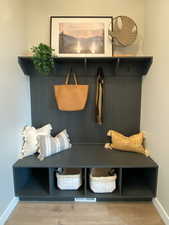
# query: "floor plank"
{"type": "Point", "coordinates": [51, 213]}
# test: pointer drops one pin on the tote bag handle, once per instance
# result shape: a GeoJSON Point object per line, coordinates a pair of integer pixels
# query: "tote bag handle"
{"type": "Point", "coordinates": [68, 78]}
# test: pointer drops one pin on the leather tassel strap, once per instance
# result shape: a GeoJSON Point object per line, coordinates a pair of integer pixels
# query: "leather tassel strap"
{"type": "Point", "coordinates": [99, 96]}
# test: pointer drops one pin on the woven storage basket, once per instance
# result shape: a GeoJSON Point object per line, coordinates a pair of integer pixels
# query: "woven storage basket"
{"type": "Point", "coordinates": [101, 181]}
{"type": "Point", "coordinates": [69, 179]}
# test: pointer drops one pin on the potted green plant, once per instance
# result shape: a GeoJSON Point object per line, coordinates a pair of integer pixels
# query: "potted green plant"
{"type": "Point", "coordinates": [42, 58]}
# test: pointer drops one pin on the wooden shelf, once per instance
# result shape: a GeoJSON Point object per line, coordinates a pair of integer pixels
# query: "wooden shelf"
{"type": "Point", "coordinates": [89, 156]}
{"type": "Point", "coordinates": [121, 66]}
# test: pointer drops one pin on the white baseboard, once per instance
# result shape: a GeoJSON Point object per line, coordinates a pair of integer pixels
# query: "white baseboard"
{"type": "Point", "coordinates": [161, 211]}
{"type": "Point", "coordinates": [8, 211]}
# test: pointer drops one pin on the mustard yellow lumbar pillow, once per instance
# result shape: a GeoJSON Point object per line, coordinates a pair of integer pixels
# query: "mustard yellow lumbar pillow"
{"type": "Point", "coordinates": [133, 143]}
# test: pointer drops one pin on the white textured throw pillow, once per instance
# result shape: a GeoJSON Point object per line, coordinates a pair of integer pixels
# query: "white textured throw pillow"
{"type": "Point", "coordinates": [31, 142]}
{"type": "Point", "coordinates": [52, 145]}
{"type": "Point", "coordinates": [45, 130]}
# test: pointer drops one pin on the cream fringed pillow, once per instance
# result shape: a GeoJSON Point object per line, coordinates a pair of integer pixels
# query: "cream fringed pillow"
{"type": "Point", "coordinates": [30, 138]}
{"type": "Point", "coordinates": [133, 143]}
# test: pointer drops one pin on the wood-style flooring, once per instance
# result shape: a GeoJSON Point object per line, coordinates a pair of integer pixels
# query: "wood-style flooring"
{"type": "Point", "coordinates": [52, 213]}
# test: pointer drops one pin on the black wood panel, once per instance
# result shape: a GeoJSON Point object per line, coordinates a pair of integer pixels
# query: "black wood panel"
{"type": "Point", "coordinates": [122, 102]}
{"type": "Point", "coordinates": [19, 183]}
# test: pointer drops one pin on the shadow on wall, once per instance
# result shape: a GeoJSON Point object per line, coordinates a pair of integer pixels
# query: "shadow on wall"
{"type": "Point", "coordinates": [134, 49]}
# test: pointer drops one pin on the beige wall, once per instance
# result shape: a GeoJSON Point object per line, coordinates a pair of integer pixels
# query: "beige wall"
{"type": "Point", "coordinates": [39, 11]}
{"type": "Point", "coordinates": [155, 103]}
{"type": "Point", "coordinates": [14, 94]}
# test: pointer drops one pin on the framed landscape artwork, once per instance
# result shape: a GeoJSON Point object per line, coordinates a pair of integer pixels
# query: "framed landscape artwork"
{"type": "Point", "coordinates": [81, 36]}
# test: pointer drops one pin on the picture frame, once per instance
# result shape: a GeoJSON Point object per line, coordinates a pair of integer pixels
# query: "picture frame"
{"type": "Point", "coordinates": [81, 36]}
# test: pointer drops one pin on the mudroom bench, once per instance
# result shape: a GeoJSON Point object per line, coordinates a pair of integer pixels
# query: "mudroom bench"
{"type": "Point", "coordinates": [136, 175]}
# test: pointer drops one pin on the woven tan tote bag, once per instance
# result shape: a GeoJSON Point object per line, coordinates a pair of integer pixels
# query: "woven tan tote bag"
{"type": "Point", "coordinates": [71, 97]}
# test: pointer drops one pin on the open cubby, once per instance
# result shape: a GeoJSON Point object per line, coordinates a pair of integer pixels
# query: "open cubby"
{"type": "Point", "coordinates": [137, 174]}
{"type": "Point", "coordinates": [31, 182]}
{"type": "Point", "coordinates": [139, 182]}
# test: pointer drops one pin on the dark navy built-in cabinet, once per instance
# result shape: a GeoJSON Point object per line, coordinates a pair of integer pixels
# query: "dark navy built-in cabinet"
{"type": "Point", "coordinates": [136, 174]}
